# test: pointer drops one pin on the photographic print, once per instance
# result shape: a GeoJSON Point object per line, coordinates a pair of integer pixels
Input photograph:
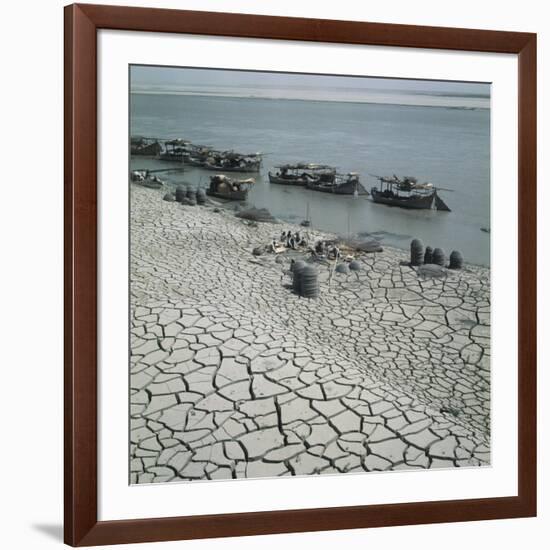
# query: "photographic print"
{"type": "Point", "coordinates": [309, 274]}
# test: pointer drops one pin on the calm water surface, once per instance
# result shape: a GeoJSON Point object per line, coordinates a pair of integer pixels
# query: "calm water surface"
{"type": "Point", "coordinates": [446, 146]}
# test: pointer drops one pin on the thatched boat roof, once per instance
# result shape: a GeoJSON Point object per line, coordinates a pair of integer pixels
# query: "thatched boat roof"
{"type": "Point", "coordinates": [305, 166]}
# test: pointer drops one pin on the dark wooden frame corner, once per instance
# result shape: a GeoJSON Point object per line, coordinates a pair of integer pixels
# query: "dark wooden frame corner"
{"type": "Point", "coordinates": [82, 22]}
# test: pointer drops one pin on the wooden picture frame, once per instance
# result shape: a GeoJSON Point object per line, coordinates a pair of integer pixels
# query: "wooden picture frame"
{"type": "Point", "coordinates": [82, 22]}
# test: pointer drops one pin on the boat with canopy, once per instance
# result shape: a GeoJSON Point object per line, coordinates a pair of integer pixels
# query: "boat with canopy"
{"type": "Point", "coordinates": [407, 192]}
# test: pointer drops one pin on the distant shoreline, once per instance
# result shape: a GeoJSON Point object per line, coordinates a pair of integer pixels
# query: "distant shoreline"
{"type": "Point", "coordinates": [316, 100]}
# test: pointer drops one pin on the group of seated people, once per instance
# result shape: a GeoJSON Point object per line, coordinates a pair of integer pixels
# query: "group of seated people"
{"type": "Point", "coordinates": [327, 249]}
{"type": "Point", "coordinates": [292, 240]}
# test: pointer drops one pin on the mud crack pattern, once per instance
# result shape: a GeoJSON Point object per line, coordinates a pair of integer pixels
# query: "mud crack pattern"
{"type": "Point", "coordinates": [233, 376]}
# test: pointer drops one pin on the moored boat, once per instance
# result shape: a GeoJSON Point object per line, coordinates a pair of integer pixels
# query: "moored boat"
{"type": "Point", "coordinates": [222, 167]}
{"type": "Point", "coordinates": [224, 187]}
{"type": "Point", "coordinates": [343, 184]}
{"type": "Point", "coordinates": [176, 150]}
{"type": "Point", "coordinates": [152, 182]}
{"type": "Point", "coordinates": [419, 202]}
{"type": "Point", "coordinates": [138, 175]}
{"type": "Point", "coordinates": [143, 146]}
{"type": "Point", "coordinates": [195, 161]}
{"type": "Point", "coordinates": [146, 179]}
{"type": "Point", "coordinates": [302, 174]}
{"type": "Point", "coordinates": [230, 161]}
{"type": "Point", "coordinates": [406, 192]}
{"type": "Point", "coordinates": [198, 155]}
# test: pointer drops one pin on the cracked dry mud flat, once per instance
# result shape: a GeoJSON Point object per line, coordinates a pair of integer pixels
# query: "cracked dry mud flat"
{"type": "Point", "coordinates": [233, 376]}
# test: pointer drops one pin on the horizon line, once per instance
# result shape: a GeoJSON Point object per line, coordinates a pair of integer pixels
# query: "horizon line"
{"type": "Point", "coordinates": [316, 100]}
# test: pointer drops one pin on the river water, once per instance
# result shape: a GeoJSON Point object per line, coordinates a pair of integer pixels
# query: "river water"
{"type": "Point", "coordinates": [449, 147]}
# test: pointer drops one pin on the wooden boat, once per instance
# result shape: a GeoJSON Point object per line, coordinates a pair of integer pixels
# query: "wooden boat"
{"type": "Point", "coordinates": [302, 174]}
{"type": "Point", "coordinates": [198, 155]}
{"type": "Point", "coordinates": [230, 161]}
{"type": "Point", "coordinates": [176, 150]}
{"type": "Point", "coordinates": [415, 201]}
{"type": "Point", "coordinates": [224, 187]}
{"type": "Point", "coordinates": [243, 168]}
{"type": "Point", "coordinates": [343, 184]}
{"type": "Point", "coordinates": [152, 182]}
{"type": "Point", "coordinates": [223, 166]}
{"type": "Point", "coordinates": [146, 179]}
{"type": "Point", "coordinates": [138, 175]}
{"type": "Point", "coordinates": [143, 146]}
{"type": "Point", "coordinates": [195, 161]}
{"type": "Point", "coordinates": [407, 193]}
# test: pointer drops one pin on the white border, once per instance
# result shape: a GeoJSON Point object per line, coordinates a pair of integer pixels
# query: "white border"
{"type": "Point", "coordinates": [118, 500]}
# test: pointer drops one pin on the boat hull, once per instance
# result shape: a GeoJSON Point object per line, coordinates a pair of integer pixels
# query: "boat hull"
{"type": "Point", "coordinates": [338, 189]}
{"type": "Point", "coordinates": [169, 157]}
{"type": "Point", "coordinates": [245, 170]}
{"type": "Point", "coordinates": [416, 202]}
{"type": "Point", "coordinates": [150, 150]}
{"type": "Point", "coordinates": [194, 162]}
{"type": "Point", "coordinates": [231, 196]}
{"type": "Point", "coordinates": [287, 181]}
{"type": "Point", "coordinates": [150, 184]}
